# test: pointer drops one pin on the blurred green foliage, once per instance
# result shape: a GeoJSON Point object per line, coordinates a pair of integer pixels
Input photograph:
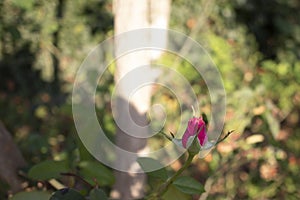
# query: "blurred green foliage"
{"type": "Point", "coordinates": [42, 44]}
{"type": "Point", "coordinates": [255, 44]}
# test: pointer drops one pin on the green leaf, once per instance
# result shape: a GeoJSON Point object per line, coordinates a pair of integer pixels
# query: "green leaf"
{"type": "Point", "coordinates": [188, 185]}
{"type": "Point", "coordinates": [97, 194]}
{"type": "Point", "coordinates": [33, 195]}
{"type": "Point", "coordinates": [27, 5]}
{"type": "Point", "coordinates": [205, 119]}
{"type": "Point", "coordinates": [148, 164]}
{"type": "Point", "coordinates": [48, 169]}
{"type": "Point", "coordinates": [174, 193]}
{"type": "Point", "coordinates": [91, 170]}
{"type": "Point", "coordinates": [67, 194]}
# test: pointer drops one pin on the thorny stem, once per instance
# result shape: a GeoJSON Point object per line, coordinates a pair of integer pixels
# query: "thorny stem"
{"type": "Point", "coordinates": [164, 187]}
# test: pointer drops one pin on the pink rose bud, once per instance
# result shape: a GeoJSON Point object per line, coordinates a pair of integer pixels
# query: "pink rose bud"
{"type": "Point", "coordinates": [196, 127]}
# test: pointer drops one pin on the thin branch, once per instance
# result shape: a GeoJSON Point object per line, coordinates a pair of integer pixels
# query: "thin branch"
{"type": "Point", "coordinates": [168, 137]}
{"type": "Point", "coordinates": [226, 136]}
{"type": "Point", "coordinates": [78, 177]}
{"type": "Point", "coordinates": [164, 187]}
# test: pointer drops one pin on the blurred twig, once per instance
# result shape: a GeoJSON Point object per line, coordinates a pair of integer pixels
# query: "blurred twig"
{"type": "Point", "coordinates": [78, 177]}
{"type": "Point", "coordinates": [226, 136]}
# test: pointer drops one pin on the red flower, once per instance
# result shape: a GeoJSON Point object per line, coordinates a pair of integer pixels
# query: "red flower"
{"type": "Point", "coordinates": [196, 127]}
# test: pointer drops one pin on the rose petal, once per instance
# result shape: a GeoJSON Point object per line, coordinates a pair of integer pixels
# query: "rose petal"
{"type": "Point", "coordinates": [185, 137]}
{"type": "Point", "coordinates": [202, 136]}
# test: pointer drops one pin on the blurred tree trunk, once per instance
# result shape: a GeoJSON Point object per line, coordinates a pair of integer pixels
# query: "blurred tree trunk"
{"type": "Point", "coordinates": [60, 8]}
{"type": "Point", "coordinates": [11, 160]}
{"type": "Point", "coordinates": [130, 15]}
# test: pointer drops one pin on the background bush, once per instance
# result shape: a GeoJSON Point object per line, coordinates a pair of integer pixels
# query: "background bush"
{"type": "Point", "coordinates": [255, 44]}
